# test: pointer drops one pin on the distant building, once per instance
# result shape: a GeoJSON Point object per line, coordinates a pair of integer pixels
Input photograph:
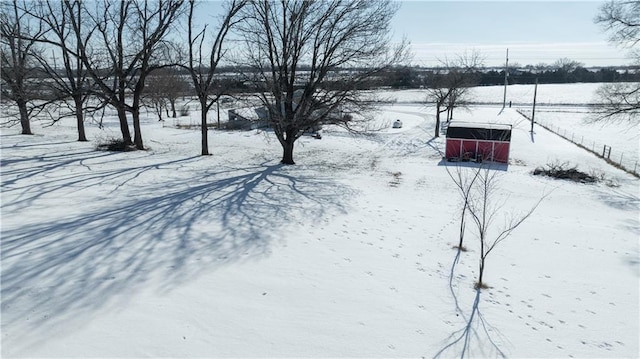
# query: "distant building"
{"type": "Point", "coordinates": [478, 142]}
{"type": "Point", "coordinates": [258, 117]}
{"type": "Point", "coordinates": [247, 118]}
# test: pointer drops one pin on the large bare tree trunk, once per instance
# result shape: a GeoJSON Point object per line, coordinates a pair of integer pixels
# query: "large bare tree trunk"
{"type": "Point", "coordinates": [24, 117]}
{"type": "Point", "coordinates": [80, 118]}
{"type": "Point", "coordinates": [124, 126]}
{"type": "Point", "coordinates": [203, 127]}
{"type": "Point", "coordinates": [135, 111]}
{"type": "Point", "coordinates": [287, 153]}
{"type": "Point", "coordinates": [137, 132]}
{"type": "Point", "coordinates": [287, 148]}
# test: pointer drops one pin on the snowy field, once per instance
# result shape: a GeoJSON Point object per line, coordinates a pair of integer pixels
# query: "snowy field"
{"type": "Point", "coordinates": [548, 94]}
{"type": "Point", "coordinates": [563, 107]}
{"type": "Point", "coordinates": [164, 253]}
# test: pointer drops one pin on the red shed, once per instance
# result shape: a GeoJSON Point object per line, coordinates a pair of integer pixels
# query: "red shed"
{"type": "Point", "coordinates": [478, 142]}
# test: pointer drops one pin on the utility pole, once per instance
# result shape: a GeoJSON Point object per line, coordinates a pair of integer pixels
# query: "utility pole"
{"type": "Point", "coordinates": [506, 81]}
{"type": "Point", "coordinates": [533, 113]}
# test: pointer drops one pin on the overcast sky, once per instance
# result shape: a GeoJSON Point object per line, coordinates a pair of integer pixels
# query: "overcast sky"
{"type": "Point", "coordinates": [534, 31]}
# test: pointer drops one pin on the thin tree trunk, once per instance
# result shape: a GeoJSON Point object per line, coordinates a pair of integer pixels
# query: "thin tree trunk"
{"type": "Point", "coordinates": [480, 283]}
{"type": "Point", "coordinates": [24, 118]}
{"type": "Point", "coordinates": [173, 108]}
{"type": "Point", "coordinates": [437, 134]}
{"type": "Point", "coordinates": [483, 255]}
{"type": "Point", "coordinates": [77, 99]}
{"type": "Point", "coordinates": [462, 225]}
{"type": "Point", "coordinates": [203, 128]}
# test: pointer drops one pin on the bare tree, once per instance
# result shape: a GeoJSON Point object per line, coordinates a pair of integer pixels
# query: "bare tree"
{"type": "Point", "coordinates": [18, 40]}
{"type": "Point", "coordinates": [566, 64]}
{"type": "Point", "coordinates": [564, 69]}
{"type": "Point", "coordinates": [451, 88]}
{"type": "Point", "coordinates": [621, 101]}
{"type": "Point", "coordinates": [202, 64]}
{"type": "Point", "coordinates": [622, 20]}
{"type": "Point", "coordinates": [163, 88]}
{"type": "Point", "coordinates": [67, 78]}
{"type": "Point", "coordinates": [120, 45]}
{"type": "Point", "coordinates": [438, 94]}
{"type": "Point", "coordinates": [484, 211]}
{"type": "Point", "coordinates": [154, 95]}
{"type": "Point", "coordinates": [296, 50]}
{"type": "Point", "coordinates": [464, 181]}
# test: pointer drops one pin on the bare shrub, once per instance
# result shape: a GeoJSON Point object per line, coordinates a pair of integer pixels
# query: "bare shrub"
{"type": "Point", "coordinates": [115, 145]}
{"type": "Point", "coordinates": [565, 171]}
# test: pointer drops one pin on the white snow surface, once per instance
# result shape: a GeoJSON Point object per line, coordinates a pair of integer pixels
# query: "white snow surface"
{"type": "Point", "coordinates": [348, 253]}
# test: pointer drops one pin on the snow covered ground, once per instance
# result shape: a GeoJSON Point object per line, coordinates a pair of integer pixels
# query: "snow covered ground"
{"type": "Point", "coordinates": [548, 94]}
{"type": "Point", "coordinates": [164, 253]}
{"type": "Point", "coordinates": [563, 107]}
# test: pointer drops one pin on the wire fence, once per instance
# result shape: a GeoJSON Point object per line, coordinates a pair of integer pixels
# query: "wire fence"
{"type": "Point", "coordinates": [626, 162]}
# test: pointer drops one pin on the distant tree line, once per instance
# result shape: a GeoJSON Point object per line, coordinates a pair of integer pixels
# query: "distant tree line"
{"type": "Point", "coordinates": [557, 76]}
{"type": "Point", "coordinates": [417, 77]}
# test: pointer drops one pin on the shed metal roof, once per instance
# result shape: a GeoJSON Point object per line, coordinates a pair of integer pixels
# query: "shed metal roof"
{"type": "Point", "coordinates": [479, 131]}
{"type": "Point", "coordinates": [489, 126]}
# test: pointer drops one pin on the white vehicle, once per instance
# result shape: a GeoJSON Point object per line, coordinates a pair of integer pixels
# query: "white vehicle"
{"type": "Point", "coordinates": [397, 124]}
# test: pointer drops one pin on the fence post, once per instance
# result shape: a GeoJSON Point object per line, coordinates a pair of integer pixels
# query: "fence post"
{"type": "Point", "coordinates": [622, 154]}
{"type": "Point", "coordinates": [609, 154]}
{"type": "Point", "coordinates": [604, 151]}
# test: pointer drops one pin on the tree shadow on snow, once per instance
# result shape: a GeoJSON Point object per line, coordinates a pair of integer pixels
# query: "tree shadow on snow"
{"type": "Point", "coordinates": [621, 200]}
{"type": "Point", "coordinates": [170, 232]}
{"type": "Point", "coordinates": [474, 338]}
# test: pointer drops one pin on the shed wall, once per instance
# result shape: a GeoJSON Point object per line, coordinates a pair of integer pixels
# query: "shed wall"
{"type": "Point", "coordinates": [495, 151]}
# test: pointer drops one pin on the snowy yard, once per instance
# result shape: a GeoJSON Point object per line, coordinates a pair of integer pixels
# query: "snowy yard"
{"type": "Point", "coordinates": [563, 107]}
{"type": "Point", "coordinates": [164, 253]}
